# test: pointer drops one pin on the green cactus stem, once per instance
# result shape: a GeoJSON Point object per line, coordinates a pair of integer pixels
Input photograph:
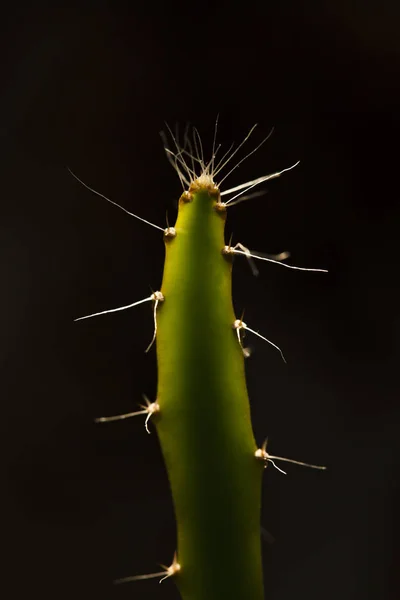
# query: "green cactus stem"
{"type": "Point", "coordinates": [204, 423]}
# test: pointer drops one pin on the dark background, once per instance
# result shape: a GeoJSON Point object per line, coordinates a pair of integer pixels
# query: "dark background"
{"type": "Point", "coordinates": [89, 86]}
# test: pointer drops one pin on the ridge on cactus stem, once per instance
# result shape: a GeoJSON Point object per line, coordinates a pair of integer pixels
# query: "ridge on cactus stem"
{"type": "Point", "coordinates": [202, 410]}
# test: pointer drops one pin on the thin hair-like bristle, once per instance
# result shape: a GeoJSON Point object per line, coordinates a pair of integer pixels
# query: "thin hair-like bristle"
{"type": "Point", "coordinates": [236, 150]}
{"type": "Point", "coordinates": [247, 156]}
{"type": "Point", "coordinates": [112, 201]}
{"type": "Point", "coordinates": [190, 165]}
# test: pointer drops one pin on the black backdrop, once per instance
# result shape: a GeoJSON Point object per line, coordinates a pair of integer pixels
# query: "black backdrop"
{"type": "Point", "coordinates": [89, 86]}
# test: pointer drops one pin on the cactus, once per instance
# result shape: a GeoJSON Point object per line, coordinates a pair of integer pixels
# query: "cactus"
{"type": "Point", "coordinates": [202, 410]}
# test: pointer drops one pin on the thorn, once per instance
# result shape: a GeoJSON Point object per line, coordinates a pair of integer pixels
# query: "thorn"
{"type": "Point", "coordinates": [147, 409]}
{"type": "Point", "coordinates": [256, 194]}
{"type": "Point", "coordinates": [262, 454]}
{"type": "Point", "coordinates": [112, 202]}
{"type": "Point", "coordinates": [253, 183]}
{"type": "Point", "coordinates": [169, 232]}
{"type": "Point", "coordinates": [213, 146]}
{"type": "Point", "coordinates": [232, 250]}
{"type": "Point", "coordinates": [120, 417]}
{"type": "Point", "coordinates": [157, 297]}
{"type": "Point", "coordinates": [150, 408]}
{"type": "Point", "coordinates": [103, 312]}
{"type": "Point", "coordinates": [249, 255]}
{"type": "Point", "coordinates": [174, 568]}
{"type": "Point", "coordinates": [219, 168]}
{"type": "Point", "coordinates": [239, 325]}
